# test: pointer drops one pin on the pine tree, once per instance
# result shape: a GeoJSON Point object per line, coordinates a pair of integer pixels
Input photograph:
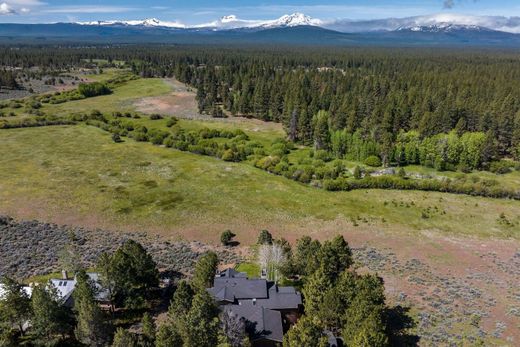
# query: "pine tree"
{"type": "Point", "coordinates": [167, 336]}
{"type": "Point", "coordinates": [307, 332]}
{"type": "Point", "coordinates": [205, 271]}
{"type": "Point", "coordinates": [321, 131]}
{"type": "Point", "coordinates": [201, 327]}
{"type": "Point", "coordinates": [49, 317]}
{"type": "Point", "coordinates": [91, 328]}
{"type": "Point", "coordinates": [15, 306]}
{"type": "Point", "coordinates": [123, 338]}
{"type": "Point", "coordinates": [149, 331]}
{"type": "Point", "coordinates": [314, 291]}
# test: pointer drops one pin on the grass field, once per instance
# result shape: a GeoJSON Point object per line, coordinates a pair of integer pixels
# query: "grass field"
{"type": "Point", "coordinates": [78, 175]}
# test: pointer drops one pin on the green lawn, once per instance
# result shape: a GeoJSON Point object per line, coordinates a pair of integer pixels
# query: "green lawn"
{"type": "Point", "coordinates": [251, 269]}
{"type": "Point", "coordinates": [78, 175]}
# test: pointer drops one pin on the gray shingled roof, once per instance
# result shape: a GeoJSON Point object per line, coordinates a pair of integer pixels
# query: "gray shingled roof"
{"type": "Point", "coordinates": [261, 323]}
{"type": "Point", "coordinates": [230, 272]}
{"type": "Point", "coordinates": [229, 289]}
{"type": "Point", "coordinates": [280, 298]}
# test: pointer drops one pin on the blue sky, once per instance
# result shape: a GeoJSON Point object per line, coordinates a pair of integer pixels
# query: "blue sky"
{"type": "Point", "coordinates": [200, 11]}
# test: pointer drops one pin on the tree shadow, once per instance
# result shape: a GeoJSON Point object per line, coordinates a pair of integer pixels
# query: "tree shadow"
{"type": "Point", "coordinates": [400, 327]}
{"type": "Point", "coordinates": [233, 244]}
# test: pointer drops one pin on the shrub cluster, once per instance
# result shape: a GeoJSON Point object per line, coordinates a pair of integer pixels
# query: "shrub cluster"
{"type": "Point", "coordinates": [485, 188]}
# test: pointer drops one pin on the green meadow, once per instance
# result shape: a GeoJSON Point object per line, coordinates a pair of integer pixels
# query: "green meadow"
{"type": "Point", "coordinates": [77, 175]}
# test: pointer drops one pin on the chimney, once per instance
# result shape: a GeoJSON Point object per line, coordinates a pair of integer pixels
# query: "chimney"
{"type": "Point", "coordinates": [64, 274]}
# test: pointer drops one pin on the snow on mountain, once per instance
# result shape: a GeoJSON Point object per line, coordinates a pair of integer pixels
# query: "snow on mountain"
{"type": "Point", "coordinates": [224, 23]}
{"type": "Point", "coordinates": [150, 22]}
{"type": "Point", "coordinates": [442, 28]}
{"type": "Point", "coordinates": [434, 22]}
{"type": "Point", "coordinates": [292, 20]}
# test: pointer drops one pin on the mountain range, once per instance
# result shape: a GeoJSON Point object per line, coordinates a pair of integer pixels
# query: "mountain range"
{"type": "Point", "coordinates": [296, 28]}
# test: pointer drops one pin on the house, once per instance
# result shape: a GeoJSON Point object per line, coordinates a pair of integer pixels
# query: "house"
{"type": "Point", "coordinates": [65, 287]}
{"type": "Point", "coordinates": [268, 309]}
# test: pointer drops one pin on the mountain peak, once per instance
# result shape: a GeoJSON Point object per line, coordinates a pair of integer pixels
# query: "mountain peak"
{"type": "Point", "coordinates": [292, 20]}
{"type": "Point", "coordinates": [442, 27]}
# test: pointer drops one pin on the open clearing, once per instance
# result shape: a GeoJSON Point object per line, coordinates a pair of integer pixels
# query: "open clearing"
{"type": "Point", "coordinates": [459, 263]}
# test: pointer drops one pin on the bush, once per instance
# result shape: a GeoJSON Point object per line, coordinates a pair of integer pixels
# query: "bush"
{"type": "Point", "coordinates": [373, 161]}
{"type": "Point", "coordinates": [322, 155]}
{"type": "Point", "coordinates": [156, 116]}
{"type": "Point", "coordinates": [93, 89]}
{"type": "Point", "coordinates": [501, 167]}
{"type": "Point", "coordinates": [171, 122]}
{"type": "Point", "coordinates": [116, 138]}
{"type": "Point", "coordinates": [226, 237]}
{"type": "Point", "coordinates": [228, 155]}
{"type": "Point", "coordinates": [268, 163]}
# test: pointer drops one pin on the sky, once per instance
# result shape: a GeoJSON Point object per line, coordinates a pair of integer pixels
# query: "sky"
{"type": "Point", "coordinates": [202, 11]}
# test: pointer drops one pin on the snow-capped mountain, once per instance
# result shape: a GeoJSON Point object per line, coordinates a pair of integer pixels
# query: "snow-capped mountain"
{"type": "Point", "coordinates": [442, 28]}
{"type": "Point", "coordinates": [293, 20]}
{"type": "Point", "coordinates": [149, 22]}
{"type": "Point", "coordinates": [224, 23]}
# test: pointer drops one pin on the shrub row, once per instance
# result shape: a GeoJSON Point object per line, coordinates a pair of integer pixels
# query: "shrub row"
{"type": "Point", "coordinates": [445, 186]}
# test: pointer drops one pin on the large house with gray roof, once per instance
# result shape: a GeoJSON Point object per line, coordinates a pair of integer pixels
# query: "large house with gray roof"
{"type": "Point", "coordinates": [267, 309]}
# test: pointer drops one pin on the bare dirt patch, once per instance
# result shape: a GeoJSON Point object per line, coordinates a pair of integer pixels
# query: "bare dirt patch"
{"type": "Point", "coordinates": [180, 102]}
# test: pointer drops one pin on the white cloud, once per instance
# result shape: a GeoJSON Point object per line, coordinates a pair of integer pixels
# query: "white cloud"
{"type": "Point", "coordinates": [500, 23]}
{"type": "Point", "coordinates": [6, 9]}
{"type": "Point", "coordinates": [26, 2]}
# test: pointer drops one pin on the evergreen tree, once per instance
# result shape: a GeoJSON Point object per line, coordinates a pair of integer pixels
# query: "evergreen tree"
{"type": "Point", "coordinates": [201, 327]}
{"type": "Point", "coordinates": [305, 260]}
{"type": "Point", "coordinates": [321, 131]}
{"type": "Point", "coordinates": [15, 305]}
{"type": "Point", "coordinates": [205, 271]}
{"type": "Point", "coordinates": [307, 332]}
{"type": "Point", "coordinates": [123, 338]}
{"type": "Point", "coordinates": [49, 317]}
{"type": "Point", "coordinates": [314, 291]}
{"type": "Point", "coordinates": [167, 336]}
{"type": "Point", "coordinates": [181, 302]}
{"type": "Point", "coordinates": [134, 272]}
{"type": "Point", "coordinates": [149, 331]}
{"type": "Point", "coordinates": [335, 257]}
{"type": "Point", "coordinates": [91, 328]}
